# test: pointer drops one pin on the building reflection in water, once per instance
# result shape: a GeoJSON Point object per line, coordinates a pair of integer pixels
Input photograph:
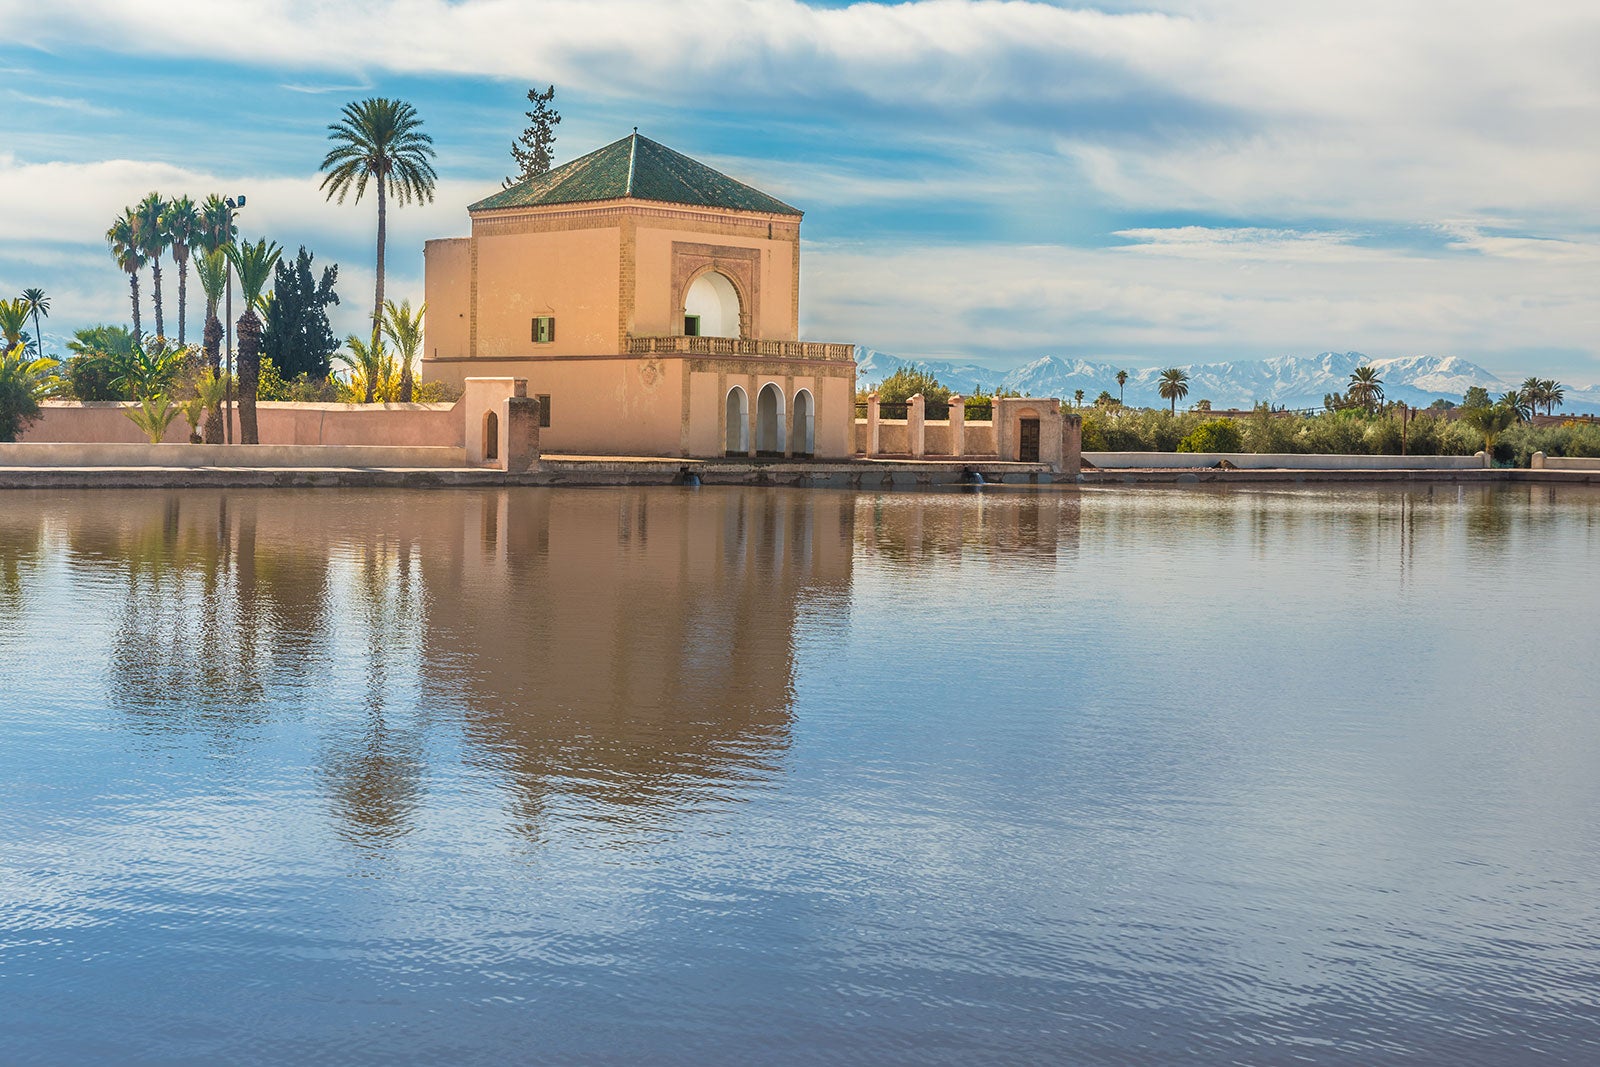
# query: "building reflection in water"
{"type": "Point", "coordinates": [624, 654]}
{"type": "Point", "coordinates": [916, 531]}
{"type": "Point", "coordinates": [629, 651]}
{"type": "Point", "coordinates": [634, 649]}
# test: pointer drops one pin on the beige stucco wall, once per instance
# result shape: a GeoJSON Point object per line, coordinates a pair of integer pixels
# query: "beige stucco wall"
{"type": "Point", "coordinates": [1569, 463]}
{"type": "Point", "coordinates": [657, 309]}
{"type": "Point", "coordinates": [447, 267]}
{"type": "Point", "coordinates": [978, 440]}
{"type": "Point", "coordinates": [571, 274]}
{"type": "Point", "coordinates": [129, 454]}
{"type": "Point", "coordinates": [635, 406]}
{"type": "Point", "coordinates": [612, 406]}
{"type": "Point", "coordinates": [832, 394]}
{"type": "Point", "coordinates": [279, 423]}
{"type": "Point", "coordinates": [609, 270]}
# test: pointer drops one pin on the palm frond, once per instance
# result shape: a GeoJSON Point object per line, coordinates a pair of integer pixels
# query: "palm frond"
{"type": "Point", "coordinates": [253, 264]}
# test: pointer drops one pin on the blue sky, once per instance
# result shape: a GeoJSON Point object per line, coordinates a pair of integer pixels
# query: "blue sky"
{"type": "Point", "coordinates": [1163, 183]}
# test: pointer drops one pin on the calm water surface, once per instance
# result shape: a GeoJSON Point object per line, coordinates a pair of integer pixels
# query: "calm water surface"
{"type": "Point", "coordinates": [727, 776]}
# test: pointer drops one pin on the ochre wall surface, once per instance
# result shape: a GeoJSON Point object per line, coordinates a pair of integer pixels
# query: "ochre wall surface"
{"type": "Point", "coordinates": [607, 271]}
{"type": "Point", "coordinates": [448, 285]}
{"type": "Point", "coordinates": [657, 284]}
{"type": "Point", "coordinates": [278, 423]}
{"type": "Point", "coordinates": [569, 274]}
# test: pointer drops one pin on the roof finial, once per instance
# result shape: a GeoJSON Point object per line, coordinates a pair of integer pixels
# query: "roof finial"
{"type": "Point", "coordinates": [636, 131]}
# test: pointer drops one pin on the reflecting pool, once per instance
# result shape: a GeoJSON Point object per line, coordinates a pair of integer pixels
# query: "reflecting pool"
{"type": "Point", "coordinates": [727, 776]}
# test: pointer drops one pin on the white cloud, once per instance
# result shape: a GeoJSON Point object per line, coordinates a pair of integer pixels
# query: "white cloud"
{"type": "Point", "coordinates": [1373, 109]}
{"type": "Point", "coordinates": [59, 103]}
{"type": "Point", "coordinates": [1243, 243]}
{"type": "Point", "coordinates": [58, 241]}
{"type": "Point", "coordinates": [1325, 125]}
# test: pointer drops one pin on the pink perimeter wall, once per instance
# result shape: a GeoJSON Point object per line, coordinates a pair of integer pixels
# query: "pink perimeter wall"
{"type": "Point", "coordinates": [279, 423]}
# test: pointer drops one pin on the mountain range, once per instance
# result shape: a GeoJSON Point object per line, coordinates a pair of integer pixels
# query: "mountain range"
{"type": "Point", "coordinates": [1283, 381]}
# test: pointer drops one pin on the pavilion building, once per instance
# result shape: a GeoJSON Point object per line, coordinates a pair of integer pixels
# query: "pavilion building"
{"type": "Point", "coordinates": [651, 303]}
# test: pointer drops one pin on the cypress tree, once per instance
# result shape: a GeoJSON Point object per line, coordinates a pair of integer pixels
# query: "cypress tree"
{"type": "Point", "coordinates": [297, 336]}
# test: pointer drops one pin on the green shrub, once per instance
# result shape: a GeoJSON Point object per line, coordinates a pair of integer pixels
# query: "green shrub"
{"type": "Point", "coordinates": [1213, 435]}
{"type": "Point", "coordinates": [101, 356]}
{"type": "Point", "coordinates": [95, 377]}
{"type": "Point", "coordinates": [1271, 433]}
{"type": "Point", "coordinates": [1518, 444]}
{"type": "Point", "coordinates": [907, 382]}
{"type": "Point", "coordinates": [18, 408]}
{"type": "Point", "coordinates": [302, 388]}
{"type": "Point", "coordinates": [435, 393]}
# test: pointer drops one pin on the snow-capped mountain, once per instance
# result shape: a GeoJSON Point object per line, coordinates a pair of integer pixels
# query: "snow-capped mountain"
{"type": "Point", "coordinates": [1286, 381]}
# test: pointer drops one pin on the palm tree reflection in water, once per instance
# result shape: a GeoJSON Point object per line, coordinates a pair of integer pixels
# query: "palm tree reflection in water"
{"type": "Point", "coordinates": [618, 657]}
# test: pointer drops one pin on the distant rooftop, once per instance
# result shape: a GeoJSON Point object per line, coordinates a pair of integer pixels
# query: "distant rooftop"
{"type": "Point", "coordinates": [639, 168]}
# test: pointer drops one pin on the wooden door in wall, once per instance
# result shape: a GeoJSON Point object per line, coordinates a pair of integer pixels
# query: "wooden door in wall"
{"type": "Point", "coordinates": [1028, 450]}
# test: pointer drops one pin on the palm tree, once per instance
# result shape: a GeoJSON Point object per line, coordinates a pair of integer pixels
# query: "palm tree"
{"type": "Point", "coordinates": [1554, 393]}
{"type": "Point", "coordinates": [38, 304]}
{"type": "Point", "coordinates": [403, 328]}
{"type": "Point", "coordinates": [381, 140]}
{"type": "Point", "coordinates": [182, 224]}
{"type": "Point", "coordinates": [217, 233]}
{"type": "Point", "coordinates": [1366, 388]}
{"type": "Point", "coordinates": [1077, 398]}
{"type": "Point", "coordinates": [1122, 380]}
{"type": "Point", "coordinates": [1492, 421]}
{"type": "Point", "coordinates": [212, 270]}
{"type": "Point", "coordinates": [370, 366]}
{"type": "Point", "coordinates": [1174, 386]}
{"type": "Point", "coordinates": [1531, 392]}
{"type": "Point", "coordinates": [153, 240]}
{"type": "Point", "coordinates": [214, 228]}
{"type": "Point", "coordinates": [13, 321]}
{"type": "Point", "coordinates": [123, 237]}
{"type": "Point", "coordinates": [253, 263]}
{"type": "Point", "coordinates": [1518, 404]}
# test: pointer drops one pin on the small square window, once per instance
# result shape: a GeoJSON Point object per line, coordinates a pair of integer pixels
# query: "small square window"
{"type": "Point", "coordinates": [691, 325]}
{"type": "Point", "coordinates": [544, 329]}
{"type": "Point", "coordinates": [544, 410]}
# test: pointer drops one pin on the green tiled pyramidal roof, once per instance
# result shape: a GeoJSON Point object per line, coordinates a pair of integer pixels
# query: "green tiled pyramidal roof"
{"type": "Point", "coordinates": [640, 168]}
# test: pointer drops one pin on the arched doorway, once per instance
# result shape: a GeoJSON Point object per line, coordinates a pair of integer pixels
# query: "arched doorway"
{"type": "Point", "coordinates": [805, 423]}
{"type": "Point", "coordinates": [738, 440]}
{"type": "Point", "coordinates": [769, 421]}
{"type": "Point", "coordinates": [1028, 436]}
{"type": "Point", "coordinates": [491, 436]}
{"type": "Point", "coordinates": [711, 307]}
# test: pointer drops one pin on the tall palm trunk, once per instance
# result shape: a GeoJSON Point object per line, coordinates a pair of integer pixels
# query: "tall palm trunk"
{"type": "Point", "coordinates": [383, 232]}
{"type": "Point", "coordinates": [249, 375]}
{"type": "Point", "coordinates": [213, 343]}
{"type": "Point", "coordinates": [38, 338]}
{"type": "Point", "coordinates": [183, 294]}
{"type": "Point", "coordinates": [133, 286]}
{"type": "Point", "coordinates": [407, 386]}
{"type": "Point", "coordinates": [155, 273]}
{"type": "Point", "coordinates": [372, 371]}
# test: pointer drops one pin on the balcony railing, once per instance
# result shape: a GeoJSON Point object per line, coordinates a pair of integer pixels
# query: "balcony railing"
{"type": "Point", "coordinates": [737, 346]}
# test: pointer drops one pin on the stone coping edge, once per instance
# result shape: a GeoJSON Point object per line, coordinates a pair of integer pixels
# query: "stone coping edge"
{"type": "Point", "coordinates": [841, 475]}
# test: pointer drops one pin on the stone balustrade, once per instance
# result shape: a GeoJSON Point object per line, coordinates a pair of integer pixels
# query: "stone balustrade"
{"type": "Point", "coordinates": [740, 347]}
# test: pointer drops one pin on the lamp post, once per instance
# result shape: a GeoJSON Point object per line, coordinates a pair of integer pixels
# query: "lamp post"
{"type": "Point", "coordinates": [234, 204]}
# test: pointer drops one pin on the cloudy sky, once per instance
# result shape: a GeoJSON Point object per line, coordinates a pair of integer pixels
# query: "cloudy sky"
{"type": "Point", "coordinates": [1148, 183]}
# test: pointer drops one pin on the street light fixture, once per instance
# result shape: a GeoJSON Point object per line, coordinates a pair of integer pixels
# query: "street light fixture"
{"type": "Point", "coordinates": [234, 203]}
